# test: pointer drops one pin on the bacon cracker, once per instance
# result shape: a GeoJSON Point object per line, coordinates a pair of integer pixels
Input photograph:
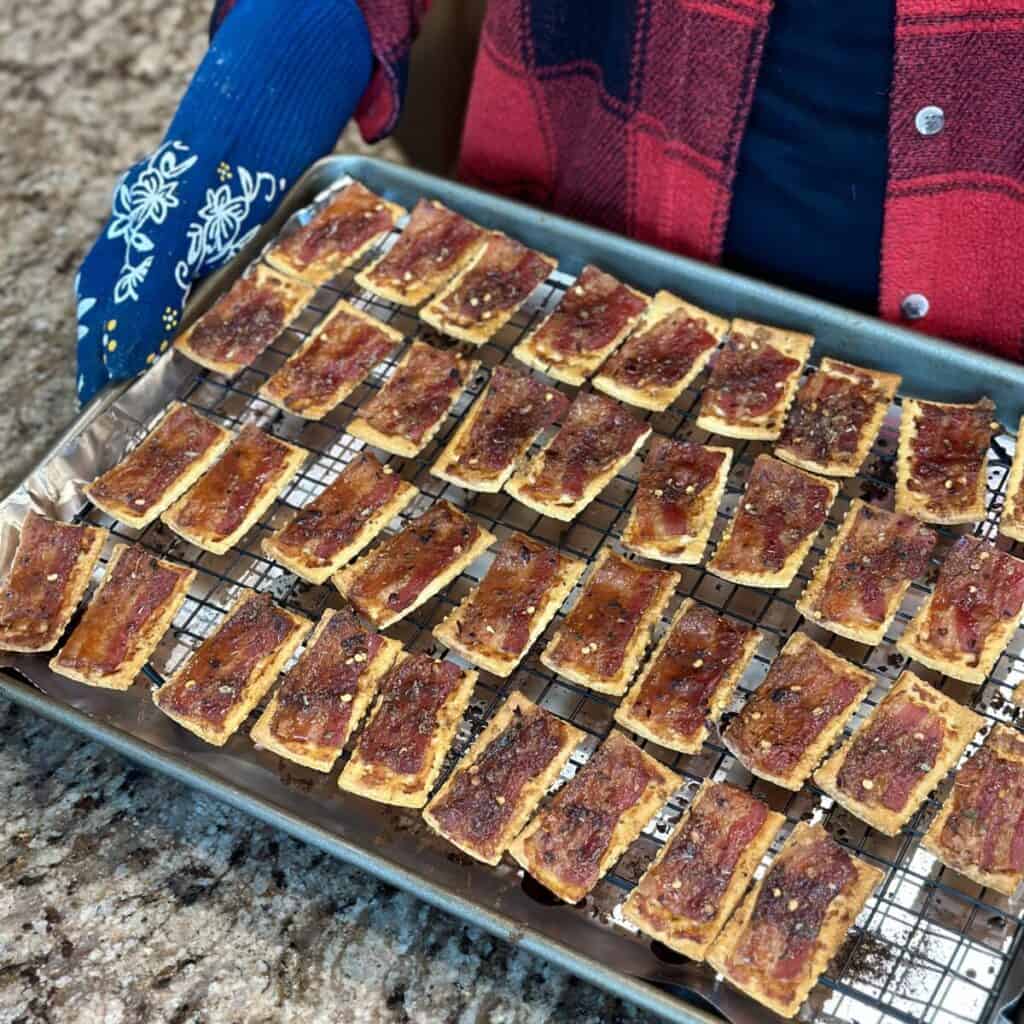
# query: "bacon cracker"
{"type": "Point", "coordinates": [351, 223]}
{"type": "Point", "coordinates": [690, 679]}
{"type": "Point", "coordinates": [789, 722]}
{"type": "Point", "coordinates": [322, 698]}
{"type": "Point", "coordinates": [663, 356]}
{"type": "Point", "coordinates": [593, 316]}
{"type": "Point", "coordinates": [243, 322]}
{"type": "Point", "coordinates": [432, 248]}
{"type": "Point", "coordinates": [47, 580]}
{"type": "Point", "coordinates": [501, 779]}
{"type": "Point", "coordinates": [572, 842]}
{"type": "Point", "coordinates": [417, 711]}
{"type": "Point", "coordinates": [172, 457]}
{"type": "Point", "coordinates": [940, 469]}
{"type": "Point", "coordinates": [702, 871]}
{"type": "Point", "coordinates": [500, 619]}
{"type": "Point", "coordinates": [125, 620]}
{"type": "Point", "coordinates": [407, 568]}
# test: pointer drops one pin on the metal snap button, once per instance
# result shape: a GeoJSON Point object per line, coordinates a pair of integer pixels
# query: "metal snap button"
{"type": "Point", "coordinates": [930, 120]}
{"type": "Point", "coordinates": [914, 306]}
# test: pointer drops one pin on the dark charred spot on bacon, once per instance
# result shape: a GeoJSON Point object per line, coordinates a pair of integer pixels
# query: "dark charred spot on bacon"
{"type": "Point", "coordinates": [225, 495]}
{"type": "Point", "coordinates": [662, 355]}
{"type": "Point", "coordinates": [985, 827]}
{"type": "Point", "coordinates": [433, 240]}
{"type": "Point", "coordinates": [948, 452]}
{"type": "Point", "coordinates": [406, 562]}
{"type": "Point", "coordinates": [332, 521]}
{"type": "Point", "coordinates": [748, 378]}
{"type": "Point", "coordinates": [673, 488]}
{"type": "Point", "coordinates": [790, 910]}
{"type": "Point", "coordinates": [978, 588]}
{"type": "Point", "coordinates": [419, 393]}
{"type": "Point", "coordinates": [780, 508]}
{"type": "Point", "coordinates": [576, 829]}
{"type": "Point", "coordinates": [700, 652]}
{"type": "Point", "coordinates": [343, 353]}
{"type": "Point", "coordinates": [829, 416]}
{"type": "Point", "coordinates": [515, 408]}
{"type": "Point", "coordinates": [181, 439]}
{"type": "Point", "coordinates": [484, 797]}
{"type": "Point", "coordinates": [315, 700]}
{"type": "Point", "coordinates": [242, 324]}
{"type": "Point", "coordinates": [214, 678]}
{"type": "Point", "coordinates": [35, 588]}
{"type": "Point", "coordinates": [597, 433]}
{"type": "Point", "coordinates": [889, 757]}
{"type": "Point", "coordinates": [136, 590]}
{"type": "Point", "coordinates": [798, 699]}
{"type": "Point", "coordinates": [412, 696]}
{"type": "Point", "coordinates": [882, 552]}
{"type": "Point", "coordinates": [591, 314]}
{"type": "Point", "coordinates": [501, 612]}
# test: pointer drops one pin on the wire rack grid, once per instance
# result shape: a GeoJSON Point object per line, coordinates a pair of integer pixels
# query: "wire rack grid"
{"type": "Point", "coordinates": [930, 946]}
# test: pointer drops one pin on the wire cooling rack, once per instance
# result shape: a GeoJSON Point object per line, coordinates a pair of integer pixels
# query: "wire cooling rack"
{"type": "Point", "coordinates": [930, 946]}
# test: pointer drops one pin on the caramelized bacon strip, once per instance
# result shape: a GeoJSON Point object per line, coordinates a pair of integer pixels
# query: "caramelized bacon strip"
{"type": "Point", "coordinates": [321, 700]}
{"type": "Point", "coordinates": [591, 319]}
{"type": "Point", "coordinates": [602, 639]}
{"type": "Point", "coordinates": [663, 356]}
{"type": "Point", "coordinates": [575, 839]}
{"type": "Point", "coordinates": [236, 491]}
{"type": "Point", "coordinates": [791, 719]}
{"type": "Point", "coordinates": [904, 749]}
{"type": "Point", "coordinates": [227, 676]}
{"type": "Point", "coordinates": [688, 893]}
{"type": "Point", "coordinates": [774, 525]}
{"type": "Point", "coordinates": [499, 782]}
{"type": "Point", "coordinates": [676, 499]}
{"type": "Point", "coordinates": [836, 418]}
{"type": "Point", "coordinates": [596, 440]}
{"type": "Point", "coordinates": [408, 567]}
{"type": "Point", "coordinates": [244, 321]}
{"type": "Point", "coordinates": [499, 429]}
{"type": "Point", "coordinates": [971, 615]}
{"type": "Point", "coordinates": [418, 708]}
{"type": "Point", "coordinates": [782, 938]}
{"type": "Point", "coordinates": [175, 453]}
{"type": "Point", "coordinates": [485, 295]}
{"type": "Point", "coordinates": [337, 235]}
{"type": "Point", "coordinates": [434, 246]}
{"type": "Point", "coordinates": [942, 460]}
{"type": "Point", "coordinates": [690, 679]}
{"type": "Point", "coordinates": [48, 578]}
{"type": "Point", "coordinates": [341, 520]}
{"type": "Point", "coordinates": [980, 829]}
{"type": "Point", "coordinates": [858, 586]}
{"type": "Point", "coordinates": [1011, 522]}
{"type": "Point", "coordinates": [753, 380]}
{"type": "Point", "coordinates": [330, 363]}
{"type": "Point", "coordinates": [125, 621]}
{"type": "Point", "coordinates": [408, 411]}
{"type": "Point", "coordinates": [497, 623]}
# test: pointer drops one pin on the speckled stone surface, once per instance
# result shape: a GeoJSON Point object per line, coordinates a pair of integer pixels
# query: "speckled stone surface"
{"type": "Point", "coordinates": [125, 897]}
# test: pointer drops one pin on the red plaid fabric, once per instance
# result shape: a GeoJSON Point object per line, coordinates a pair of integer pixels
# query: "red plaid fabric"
{"type": "Point", "coordinates": [630, 116]}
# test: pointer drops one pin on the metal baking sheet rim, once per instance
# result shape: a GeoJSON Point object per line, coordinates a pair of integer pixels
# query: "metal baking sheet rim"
{"type": "Point", "coordinates": [932, 368]}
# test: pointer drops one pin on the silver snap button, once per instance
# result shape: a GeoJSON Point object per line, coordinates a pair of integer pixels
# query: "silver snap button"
{"type": "Point", "coordinates": [930, 120]}
{"type": "Point", "coordinates": [913, 307]}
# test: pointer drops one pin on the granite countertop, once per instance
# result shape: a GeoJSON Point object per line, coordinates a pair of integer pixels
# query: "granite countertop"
{"type": "Point", "coordinates": [123, 896]}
